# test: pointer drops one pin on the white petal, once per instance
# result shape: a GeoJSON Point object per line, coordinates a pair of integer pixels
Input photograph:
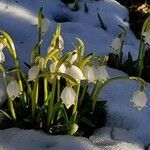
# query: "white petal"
{"type": "Point", "coordinates": [13, 89]}
{"type": "Point", "coordinates": [74, 58]}
{"type": "Point", "coordinates": [90, 73]}
{"type": "Point", "coordinates": [62, 68]}
{"type": "Point", "coordinates": [68, 96]}
{"type": "Point", "coordinates": [147, 37]}
{"type": "Point", "coordinates": [139, 99]}
{"type": "Point", "coordinates": [2, 57]}
{"type": "Point", "coordinates": [33, 72]}
{"type": "Point", "coordinates": [2, 46]}
{"type": "Point", "coordinates": [75, 72]}
{"type": "Point", "coordinates": [116, 45]}
{"type": "Point", "coordinates": [103, 74]}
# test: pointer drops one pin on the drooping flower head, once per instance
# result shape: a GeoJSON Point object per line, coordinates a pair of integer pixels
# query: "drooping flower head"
{"type": "Point", "coordinates": [33, 73]}
{"type": "Point", "coordinates": [75, 72]}
{"type": "Point", "coordinates": [68, 96]}
{"type": "Point", "coordinates": [103, 74]}
{"type": "Point", "coordinates": [116, 45]}
{"type": "Point", "coordinates": [13, 89]}
{"type": "Point", "coordinates": [139, 99]}
{"type": "Point", "coordinates": [90, 73]}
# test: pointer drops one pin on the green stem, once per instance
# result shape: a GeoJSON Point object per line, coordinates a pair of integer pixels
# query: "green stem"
{"type": "Point", "coordinates": [83, 94]}
{"type": "Point", "coordinates": [76, 102]}
{"type": "Point", "coordinates": [35, 97]}
{"type": "Point", "coordinates": [11, 108]}
{"type": "Point", "coordinates": [51, 103]}
{"type": "Point", "coordinates": [45, 89]}
{"type": "Point", "coordinates": [140, 58]}
{"type": "Point", "coordinates": [58, 90]}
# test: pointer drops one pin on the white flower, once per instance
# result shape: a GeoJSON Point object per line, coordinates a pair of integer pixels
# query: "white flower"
{"type": "Point", "coordinates": [13, 89]}
{"type": "Point", "coordinates": [139, 99]}
{"type": "Point", "coordinates": [33, 72]}
{"type": "Point", "coordinates": [90, 73]}
{"type": "Point", "coordinates": [2, 46]}
{"type": "Point", "coordinates": [116, 45]}
{"type": "Point", "coordinates": [103, 74]}
{"type": "Point", "coordinates": [147, 37]}
{"type": "Point", "coordinates": [68, 96]}
{"type": "Point", "coordinates": [75, 72]}
{"type": "Point", "coordinates": [73, 58]}
{"type": "Point", "coordinates": [62, 68]}
{"type": "Point", "coordinates": [2, 57]}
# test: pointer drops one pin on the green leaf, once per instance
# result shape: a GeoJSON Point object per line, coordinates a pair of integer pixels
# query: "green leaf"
{"type": "Point", "coordinates": [29, 66]}
{"type": "Point", "coordinates": [87, 121]}
{"type": "Point", "coordinates": [5, 114]}
{"type": "Point", "coordinates": [10, 44]}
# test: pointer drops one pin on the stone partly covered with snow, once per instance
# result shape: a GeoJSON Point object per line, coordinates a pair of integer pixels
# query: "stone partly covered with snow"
{"type": "Point", "coordinates": [30, 139]}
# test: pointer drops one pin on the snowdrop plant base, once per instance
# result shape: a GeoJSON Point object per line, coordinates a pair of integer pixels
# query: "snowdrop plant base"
{"type": "Point", "coordinates": [51, 97]}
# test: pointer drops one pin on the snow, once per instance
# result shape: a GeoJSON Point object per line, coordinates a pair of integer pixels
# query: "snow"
{"type": "Point", "coordinates": [19, 19]}
{"type": "Point", "coordinates": [16, 139]}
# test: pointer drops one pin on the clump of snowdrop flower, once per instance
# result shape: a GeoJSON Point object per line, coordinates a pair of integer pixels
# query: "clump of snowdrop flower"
{"type": "Point", "coordinates": [139, 99]}
{"type": "Point", "coordinates": [13, 89]}
{"type": "Point", "coordinates": [54, 96]}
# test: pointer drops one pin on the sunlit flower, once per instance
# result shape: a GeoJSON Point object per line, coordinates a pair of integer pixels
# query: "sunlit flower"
{"type": "Point", "coordinates": [2, 46]}
{"type": "Point", "coordinates": [147, 37]}
{"type": "Point", "coordinates": [139, 99]}
{"type": "Point", "coordinates": [103, 74]}
{"type": "Point", "coordinates": [75, 72]}
{"type": "Point", "coordinates": [33, 72]}
{"type": "Point", "coordinates": [2, 57]}
{"type": "Point", "coordinates": [62, 68]}
{"type": "Point", "coordinates": [68, 96]}
{"type": "Point", "coordinates": [90, 73]}
{"type": "Point", "coordinates": [116, 45]}
{"type": "Point", "coordinates": [13, 89]}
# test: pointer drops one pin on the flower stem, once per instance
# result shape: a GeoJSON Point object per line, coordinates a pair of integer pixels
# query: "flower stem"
{"type": "Point", "coordinates": [51, 103]}
{"type": "Point", "coordinates": [83, 93]}
{"type": "Point", "coordinates": [58, 90]}
{"type": "Point", "coordinates": [76, 102]}
{"type": "Point", "coordinates": [12, 110]}
{"type": "Point", "coordinates": [140, 58]}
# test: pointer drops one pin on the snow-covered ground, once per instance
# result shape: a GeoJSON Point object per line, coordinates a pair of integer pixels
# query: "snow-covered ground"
{"type": "Point", "coordinates": [19, 19]}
